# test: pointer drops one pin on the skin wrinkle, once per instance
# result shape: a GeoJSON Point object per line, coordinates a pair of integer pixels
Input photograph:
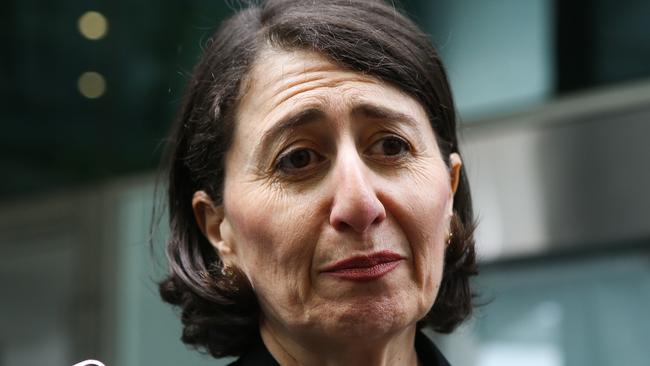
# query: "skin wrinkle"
{"type": "Point", "coordinates": [403, 129]}
{"type": "Point", "coordinates": [282, 132]}
{"type": "Point", "coordinates": [282, 230]}
{"type": "Point", "coordinates": [302, 79]}
{"type": "Point", "coordinates": [283, 138]}
{"type": "Point", "coordinates": [307, 84]}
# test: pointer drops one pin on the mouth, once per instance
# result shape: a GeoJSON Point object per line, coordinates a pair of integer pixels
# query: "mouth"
{"type": "Point", "coordinates": [363, 268]}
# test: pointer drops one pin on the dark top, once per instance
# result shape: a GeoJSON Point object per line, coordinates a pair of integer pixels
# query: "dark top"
{"type": "Point", "coordinates": [258, 355]}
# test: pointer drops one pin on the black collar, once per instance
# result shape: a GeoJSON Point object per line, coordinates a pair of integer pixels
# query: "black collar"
{"type": "Point", "coordinates": [428, 353]}
{"type": "Point", "coordinates": [258, 355]}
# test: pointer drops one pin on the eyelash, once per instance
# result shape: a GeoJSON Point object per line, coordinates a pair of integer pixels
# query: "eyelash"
{"type": "Point", "coordinates": [283, 159]}
{"type": "Point", "coordinates": [405, 146]}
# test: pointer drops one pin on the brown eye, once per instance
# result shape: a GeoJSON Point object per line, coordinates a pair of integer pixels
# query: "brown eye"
{"type": "Point", "coordinates": [297, 159]}
{"type": "Point", "coordinates": [390, 146]}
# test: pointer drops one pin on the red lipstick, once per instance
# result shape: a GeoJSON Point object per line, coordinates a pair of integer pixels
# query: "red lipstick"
{"type": "Point", "coordinates": [365, 267]}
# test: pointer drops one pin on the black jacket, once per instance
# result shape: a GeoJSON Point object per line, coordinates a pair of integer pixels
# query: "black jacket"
{"type": "Point", "coordinates": [258, 355]}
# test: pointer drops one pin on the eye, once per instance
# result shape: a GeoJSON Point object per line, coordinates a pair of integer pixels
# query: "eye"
{"type": "Point", "coordinates": [390, 146]}
{"type": "Point", "coordinates": [297, 159]}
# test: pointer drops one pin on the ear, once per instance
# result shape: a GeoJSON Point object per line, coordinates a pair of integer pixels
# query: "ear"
{"type": "Point", "coordinates": [211, 220]}
{"type": "Point", "coordinates": [455, 165]}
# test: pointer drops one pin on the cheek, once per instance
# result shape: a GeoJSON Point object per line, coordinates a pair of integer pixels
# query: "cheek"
{"type": "Point", "coordinates": [429, 244]}
{"type": "Point", "coordinates": [271, 245]}
{"type": "Point", "coordinates": [422, 213]}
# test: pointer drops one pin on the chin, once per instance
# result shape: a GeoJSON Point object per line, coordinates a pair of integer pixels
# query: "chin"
{"type": "Point", "coordinates": [372, 318]}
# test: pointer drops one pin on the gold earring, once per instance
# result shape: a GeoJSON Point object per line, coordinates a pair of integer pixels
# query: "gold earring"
{"type": "Point", "coordinates": [227, 271]}
{"type": "Point", "coordinates": [229, 275]}
{"type": "Point", "coordinates": [449, 237]}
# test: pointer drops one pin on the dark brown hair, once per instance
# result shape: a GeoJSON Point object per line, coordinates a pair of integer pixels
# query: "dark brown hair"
{"type": "Point", "coordinates": [221, 314]}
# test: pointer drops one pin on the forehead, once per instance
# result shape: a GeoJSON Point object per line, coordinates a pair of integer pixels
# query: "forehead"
{"type": "Point", "coordinates": [281, 81]}
{"type": "Point", "coordinates": [283, 84]}
{"type": "Point", "coordinates": [274, 65]}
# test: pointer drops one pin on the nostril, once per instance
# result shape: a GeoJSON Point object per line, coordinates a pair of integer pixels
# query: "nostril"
{"type": "Point", "coordinates": [341, 225]}
{"type": "Point", "coordinates": [381, 217]}
{"type": "Point", "coordinates": [357, 214]}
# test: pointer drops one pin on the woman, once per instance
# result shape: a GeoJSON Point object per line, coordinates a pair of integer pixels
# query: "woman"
{"type": "Point", "coordinates": [319, 210]}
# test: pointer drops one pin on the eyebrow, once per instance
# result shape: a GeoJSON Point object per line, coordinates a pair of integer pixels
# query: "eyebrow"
{"type": "Point", "coordinates": [314, 114]}
{"type": "Point", "coordinates": [373, 111]}
{"type": "Point", "coordinates": [288, 123]}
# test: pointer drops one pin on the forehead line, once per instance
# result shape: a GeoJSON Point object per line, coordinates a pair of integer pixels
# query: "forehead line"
{"type": "Point", "coordinates": [316, 107]}
{"type": "Point", "coordinates": [314, 114]}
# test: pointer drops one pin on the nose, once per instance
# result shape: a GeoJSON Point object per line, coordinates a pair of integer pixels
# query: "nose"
{"type": "Point", "coordinates": [356, 205]}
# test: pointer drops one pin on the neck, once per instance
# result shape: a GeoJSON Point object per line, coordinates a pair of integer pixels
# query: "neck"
{"type": "Point", "coordinates": [288, 350]}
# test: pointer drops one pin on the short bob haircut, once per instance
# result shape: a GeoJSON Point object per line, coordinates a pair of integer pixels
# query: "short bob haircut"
{"type": "Point", "coordinates": [219, 314]}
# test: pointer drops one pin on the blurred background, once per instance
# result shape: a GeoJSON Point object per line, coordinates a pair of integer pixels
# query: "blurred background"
{"type": "Point", "coordinates": [554, 101]}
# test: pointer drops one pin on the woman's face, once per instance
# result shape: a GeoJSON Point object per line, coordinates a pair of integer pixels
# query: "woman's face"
{"type": "Point", "coordinates": [337, 201]}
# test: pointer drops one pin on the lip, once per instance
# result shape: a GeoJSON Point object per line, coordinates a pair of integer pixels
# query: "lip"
{"type": "Point", "coordinates": [365, 267]}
